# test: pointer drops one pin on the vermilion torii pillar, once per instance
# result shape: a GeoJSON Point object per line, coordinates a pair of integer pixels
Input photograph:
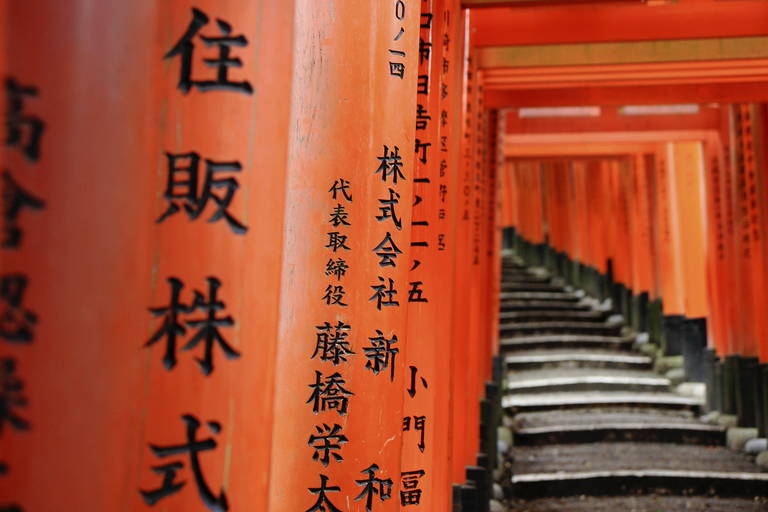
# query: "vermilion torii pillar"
{"type": "Point", "coordinates": [425, 475]}
{"type": "Point", "coordinates": [342, 343]}
{"type": "Point", "coordinates": [142, 291]}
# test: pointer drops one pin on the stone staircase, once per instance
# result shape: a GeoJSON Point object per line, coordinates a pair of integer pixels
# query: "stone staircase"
{"type": "Point", "coordinates": [590, 426]}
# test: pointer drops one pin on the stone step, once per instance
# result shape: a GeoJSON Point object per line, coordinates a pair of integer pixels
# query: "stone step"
{"type": "Point", "coordinates": [680, 433]}
{"type": "Point", "coordinates": [517, 286]}
{"type": "Point", "coordinates": [544, 316]}
{"type": "Point", "coordinates": [640, 481]}
{"type": "Point", "coordinates": [539, 296]}
{"type": "Point", "coordinates": [560, 341]}
{"type": "Point", "coordinates": [641, 503]}
{"type": "Point", "coordinates": [510, 305]}
{"type": "Point", "coordinates": [518, 403]}
{"type": "Point", "coordinates": [574, 358]}
{"type": "Point", "coordinates": [573, 328]}
{"type": "Point", "coordinates": [588, 383]}
{"type": "Point", "coordinates": [524, 278]}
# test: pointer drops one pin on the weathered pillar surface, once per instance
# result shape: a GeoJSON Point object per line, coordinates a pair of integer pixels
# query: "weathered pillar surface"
{"type": "Point", "coordinates": [340, 366]}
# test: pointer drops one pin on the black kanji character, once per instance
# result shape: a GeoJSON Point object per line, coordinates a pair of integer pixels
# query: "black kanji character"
{"type": "Point", "coordinates": [208, 327]}
{"type": "Point", "coordinates": [332, 344]}
{"type": "Point", "coordinates": [421, 147]}
{"type": "Point", "coordinates": [397, 69]}
{"type": "Point", "coordinates": [372, 486]}
{"type": "Point", "coordinates": [323, 504]}
{"type": "Point", "coordinates": [337, 241]}
{"type": "Point", "coordinates": [11, 397]}
{"type": "Point", "coordinates": [330, 394]}
{"type": "Point", "coordinates": [428, 23]}
{"type": "Point", "coordinates": [340, 185]}
{"type": "Point", "coordinates": [16, 323]}
{"type": "Point", "coordinates": [185, 48]}
{"type": "Point", "coordinates": [387, 209]}
{"type": "Point", "coordinates": [422, 85]}
{"type": "Point", "coordinates": [412, 386]}
{"type": "Point", "coordinates": [415, 294]}
{"type": "Point", "coordinates": [419, 422]}
{"type": "Point", "coordinates": [381, 354]}
{"type": "Point", "coordinates": [15, 199]}
{"type": "Point", "coordinates": [387, 251]}
{"type": "Point", "coordinates": [193, 447]}
{"type": "Point", "coordinates": [443, 192]}
{"type": "Point", "coordinates": [384, 296]}
{"type": "Point", "coordinates": [326, 443]}
{"type": "Point", "coordinates": [425, 49]}
{"type": "Point", "coordinates": [334, 295]}
{"type": "Point", "coordinates": [421, 117]}
{"type": "Point", "coordinates": [337, 267]}
{"type": "Point", "coordinates": [183, 191]}
{"type": "Point", "coordinates": [16, 120]}
{"type": "Point", "coordinates": [171, 327]}
{"type": "Point", "coordinates": [410, 494]}
{"type": "Point", "coordinates": [391, 165]}
{"type": "Point", "coordinates": [339, 216]}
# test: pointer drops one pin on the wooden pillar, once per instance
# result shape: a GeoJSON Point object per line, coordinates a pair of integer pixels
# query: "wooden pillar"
{"type": "Point", "coordinates": [342, 341]}
{"type": "Point", "coordinates": [690, 224]}
{"type": "Point", "coordinates": [425, 475]}
{"type": "Point", "coordinates": [461, 366]}
{"type": "Point", "coordinates": [155, 323]}
{"type": "Point", "coordinates": [717, 241]}
{"type": "Point", "coordinates": [669, 243]}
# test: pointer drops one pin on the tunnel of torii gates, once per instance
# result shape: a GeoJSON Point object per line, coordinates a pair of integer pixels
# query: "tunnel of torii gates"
{"type": "Point", "coordinates": [251, 249]}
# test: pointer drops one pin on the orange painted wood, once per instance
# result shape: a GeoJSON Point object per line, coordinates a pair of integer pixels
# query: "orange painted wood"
{"type": "Point", "coordinates": [669, 242]}
{"type": "Point", "coordinates": [746, 215]}
{"type": "Point", "coordinates": [453, 40]}
{"type": "Point", "coordinates": [610, 120]}
{"type": "Point", "coordinates": [718, 331]}
{"type": "Point", "coordinates": [85, 288]}
{"type": "Point", "coordinates": [472, 271]}
{"type": "Point", "coordinates": [550, 24]}
{"type": "Point", "coordinates": [731, 279]}
{"type": "Point", "coordinates": [367, 139]}
{"type": "Point", "coordinates": [462, 367]}
{"type": "Point", "coordinates": [425, 476]}
{"type": "Point", "coordinates": [640, 214]}
{"type": "Point", "coordinates": [628, 95]}
{"type": "Point", "coordinates": [760, 130]}
{"type": "Point", "coordinates": [102, 172]}
{"type": "Point", "coordinates": [690, 223]}
{"type": "Point", "coordinates": [236, 135]}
